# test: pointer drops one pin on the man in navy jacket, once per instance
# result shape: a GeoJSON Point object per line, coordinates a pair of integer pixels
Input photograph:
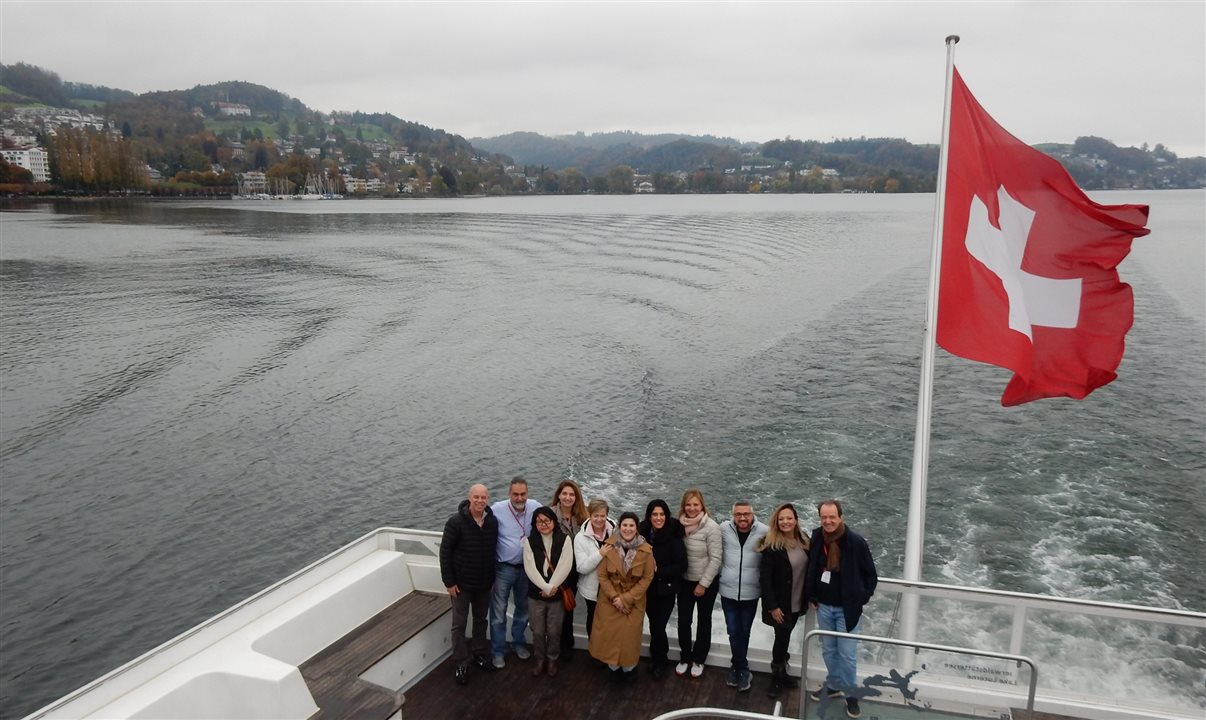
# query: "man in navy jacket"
{"type": "Point", "coordinates": [841, 580]}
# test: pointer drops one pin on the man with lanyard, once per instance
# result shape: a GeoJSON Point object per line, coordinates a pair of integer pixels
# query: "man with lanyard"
{"type": "Point", "coordinates": [739, 586]}
{"type": "Point", "coordinates": [514, 517]}
{"type": "Point", "coordinates": [841, 578]}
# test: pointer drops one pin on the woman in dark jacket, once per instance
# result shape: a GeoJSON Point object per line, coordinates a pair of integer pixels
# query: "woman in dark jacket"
{"type": "Point", "coordinates": [783, 572]}
{"type": "Point", "coordinates": [665, 534]}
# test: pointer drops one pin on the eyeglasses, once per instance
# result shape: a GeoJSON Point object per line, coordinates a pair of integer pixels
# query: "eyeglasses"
{"type": "Point", "coordinates": [544, 521]}
{"type": "Point", "coordinates": [743, 514]}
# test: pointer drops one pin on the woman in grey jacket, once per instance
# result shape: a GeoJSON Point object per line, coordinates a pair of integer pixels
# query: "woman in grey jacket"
{"type": "Point", "coordinates": [698, 590]}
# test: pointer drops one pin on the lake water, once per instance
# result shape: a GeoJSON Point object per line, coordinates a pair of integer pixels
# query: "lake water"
{"type": "Point", "coordinates": [198, 399]}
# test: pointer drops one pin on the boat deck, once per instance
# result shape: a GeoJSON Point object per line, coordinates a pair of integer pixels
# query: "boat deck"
{"type": "Point", "coordinates": [582, 690]}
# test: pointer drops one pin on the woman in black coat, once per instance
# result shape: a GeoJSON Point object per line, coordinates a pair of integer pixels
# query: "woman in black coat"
{"type": "Point", "coordinates": [666, 535]}
{"type": "Point", "coordinates": [783, 571]}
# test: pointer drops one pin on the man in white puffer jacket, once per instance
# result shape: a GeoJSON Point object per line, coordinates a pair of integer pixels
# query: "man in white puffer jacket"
{"type": "Point", "coordinates": [739, 586]}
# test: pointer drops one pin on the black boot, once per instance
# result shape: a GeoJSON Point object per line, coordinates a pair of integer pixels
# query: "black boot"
{"type": "Point", "coordinates": [776, 683]}
{"type": "Point", "coordinates": [789, 681]}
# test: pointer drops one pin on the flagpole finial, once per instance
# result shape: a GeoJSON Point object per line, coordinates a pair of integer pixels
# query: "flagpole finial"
{"type": "Point", "coordinates": [951, 39]}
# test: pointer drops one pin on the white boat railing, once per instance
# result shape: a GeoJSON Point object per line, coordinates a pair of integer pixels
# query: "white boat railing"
{"type": "Point", "coordinates": [1100, 659]}
{"type": "Point", "coordinates": [916, 646]}
{"type": "Point", "coordinates": [714, 712]}
{"type": "Point", "coordinates": [1157, 654]}
{"type": "Point", "coordinates": [421, 546]}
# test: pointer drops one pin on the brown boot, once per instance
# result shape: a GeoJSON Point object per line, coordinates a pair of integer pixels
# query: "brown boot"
{"type": "Point", "coordinates": [537, 667]}
{"type": "Point", "coordinates": [552, 671]}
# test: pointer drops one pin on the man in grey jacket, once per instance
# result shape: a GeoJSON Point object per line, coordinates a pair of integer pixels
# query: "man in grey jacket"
{"type": "Point", "coordinates": [739, 587]}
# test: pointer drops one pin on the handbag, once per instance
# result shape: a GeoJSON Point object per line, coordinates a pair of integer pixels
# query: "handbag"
{"type": "Point", "coordinates": [567, 599]}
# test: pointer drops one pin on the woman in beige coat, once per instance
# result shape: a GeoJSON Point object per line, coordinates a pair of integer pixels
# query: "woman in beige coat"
{"type": "Point", "coordinates": [624, 578]}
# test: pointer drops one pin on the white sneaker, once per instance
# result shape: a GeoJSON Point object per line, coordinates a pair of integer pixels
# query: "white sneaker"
{"type": "Point", "coordinates": [523, 652]}
{"type": "Point", "coordinates": [696, 670]}
{"type": "Point", "coordinates": [681, 668]}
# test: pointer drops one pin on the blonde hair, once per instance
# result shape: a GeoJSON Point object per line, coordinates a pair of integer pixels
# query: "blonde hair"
{"type": "Point", "coordinates": [579, 513]}
{"type": "Point", "coordinates": [776, 539]}
{"type": "Point", "coordinates": [692, 492]}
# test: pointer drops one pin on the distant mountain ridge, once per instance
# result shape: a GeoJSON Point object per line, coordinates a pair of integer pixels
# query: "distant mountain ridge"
{"type": "Point", "coordinates": [596, 152]}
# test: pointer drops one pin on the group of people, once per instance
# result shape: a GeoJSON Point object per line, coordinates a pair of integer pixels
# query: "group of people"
{"type": "Point", "coordinates": [543, 559]}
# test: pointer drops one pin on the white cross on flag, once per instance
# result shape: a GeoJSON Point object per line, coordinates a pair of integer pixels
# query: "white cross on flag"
{"type": "Point", "coordinates": [1028, 276]}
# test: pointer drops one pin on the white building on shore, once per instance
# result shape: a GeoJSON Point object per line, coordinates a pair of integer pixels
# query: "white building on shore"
{"type": "Point", "coordinates": [34, 159]}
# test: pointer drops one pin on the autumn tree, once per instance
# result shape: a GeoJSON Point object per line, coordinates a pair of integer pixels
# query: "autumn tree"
{"type": "Point", "coordinates": [573, 182]}
{"type": "Point", "coordinates": [668, 183]}
{"type": "Point", "coordinates": [92, 160]}
{"type": "Point", "coordinates": [449, 178]}
{"type": "Point", "coordinates": [293, 171]}
{"type": "Point", "coordinates": [13, 174]}
{"type": "Point", "coordinates": [548, 182]}
{"type": "Point", "coordinates": [469, 182]}
{"type": "Point", "coordinates": [619, 179]}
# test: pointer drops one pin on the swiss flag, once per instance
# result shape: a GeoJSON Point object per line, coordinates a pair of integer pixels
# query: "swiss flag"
{"type": "Point", "coordinates": [1028, 277]}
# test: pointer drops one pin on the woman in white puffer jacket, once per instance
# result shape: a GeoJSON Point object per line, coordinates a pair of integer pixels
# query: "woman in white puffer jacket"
{"type": "Point", "coordinates": [589, 548]}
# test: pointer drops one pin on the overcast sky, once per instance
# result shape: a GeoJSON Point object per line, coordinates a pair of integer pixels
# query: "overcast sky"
{"type": "Point", "coordinates": [1131, 72]}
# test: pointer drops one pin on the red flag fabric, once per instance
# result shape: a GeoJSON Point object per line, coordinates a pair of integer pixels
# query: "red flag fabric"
{"type": "Point", "coordinates": [1028, 277]}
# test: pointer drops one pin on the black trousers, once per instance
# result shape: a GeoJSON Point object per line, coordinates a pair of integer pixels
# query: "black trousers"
{"type": "Point", "coordinates": [783, 637]}
{"type": "Point", "coordinates": [567, 631]}
{"type": "Point", "coordinates": [695, 652]}
{"type": "Point", "coordinates": [590, 615]}
{"type": "Point", "coordinates": [658, 609]}
{"type": "Point", "coordinates": [479, 602]}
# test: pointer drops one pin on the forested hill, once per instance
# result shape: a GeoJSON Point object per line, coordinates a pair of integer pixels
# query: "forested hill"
{"type": "Point", "coordinates": [209, 134]}
{"type": "Point", "coordinates": [596, 152]}
{"type": "Point", "coordinates": [1094, 162]}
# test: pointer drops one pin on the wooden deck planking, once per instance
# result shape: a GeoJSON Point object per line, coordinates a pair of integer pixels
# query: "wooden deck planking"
{"type": "Point", "coordinates": [581, 690]}
{"type": "Point", "coordinates": [332, 675]}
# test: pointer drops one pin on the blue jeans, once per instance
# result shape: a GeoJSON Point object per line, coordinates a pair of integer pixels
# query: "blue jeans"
{"type": "Point", "coordinates": [739, 618]}
{"type": "Point", "coordinates": [508, 580]}
{"type": "Point", "coordinates": [840, 654]}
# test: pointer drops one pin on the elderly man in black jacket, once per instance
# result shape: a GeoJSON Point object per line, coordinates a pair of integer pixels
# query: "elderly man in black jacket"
{"type": "Point", "coordinates": [467, 569]}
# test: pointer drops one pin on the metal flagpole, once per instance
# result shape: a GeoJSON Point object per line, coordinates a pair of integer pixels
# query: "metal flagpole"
{"type": "Point", "coordinates": [915, 532]}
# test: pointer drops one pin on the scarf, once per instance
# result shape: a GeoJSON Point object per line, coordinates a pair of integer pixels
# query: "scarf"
{"type": "Point", "coordinates": [568, 526]}
{"type": "Point", "coordinates": [692, 525]}
{"type": "Point", "coordinates": [629, 549]}
{"type": "Point", "coordinates": [833, 553]}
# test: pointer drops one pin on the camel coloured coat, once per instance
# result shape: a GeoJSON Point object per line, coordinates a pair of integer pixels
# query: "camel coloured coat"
{"type": "Point", "coordinates": [616, 637]}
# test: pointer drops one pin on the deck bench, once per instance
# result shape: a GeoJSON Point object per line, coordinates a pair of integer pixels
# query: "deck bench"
{"type": "Point", "coordinates": [333, 674]}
